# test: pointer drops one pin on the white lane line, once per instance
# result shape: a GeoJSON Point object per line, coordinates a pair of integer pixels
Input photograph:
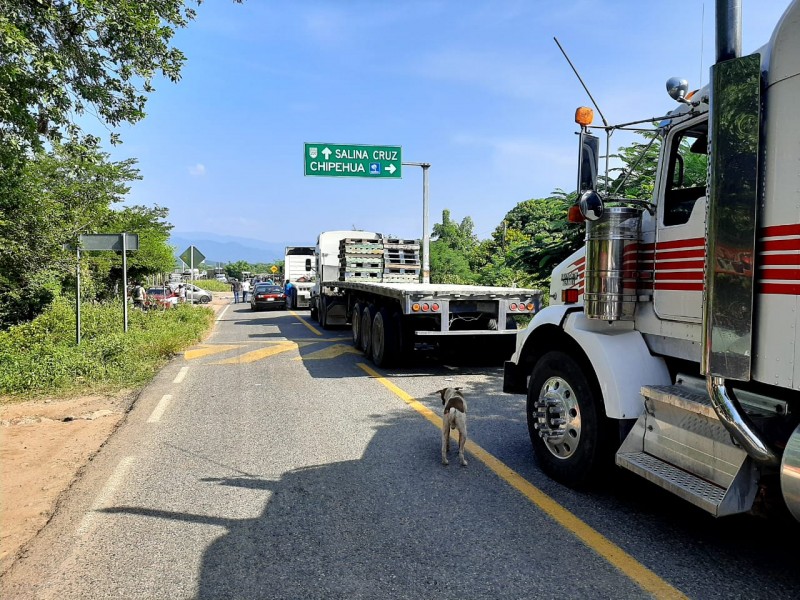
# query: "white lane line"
{"type": "Point", "coordinates": [160, 408]}
{"type": "Point", "coordinates": [219, 316]}
{"type": "Point", "coordinates": [181, 374]}
{"type": "Point", "coordinates": [106, 495]}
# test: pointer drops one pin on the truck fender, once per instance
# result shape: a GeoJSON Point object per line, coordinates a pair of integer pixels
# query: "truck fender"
{"type": "Point", "coordinates": [621, 361]}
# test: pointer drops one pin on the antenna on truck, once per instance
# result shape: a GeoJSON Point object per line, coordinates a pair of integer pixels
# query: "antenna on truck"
{"type": "Point", "coordinates": [574, 70]}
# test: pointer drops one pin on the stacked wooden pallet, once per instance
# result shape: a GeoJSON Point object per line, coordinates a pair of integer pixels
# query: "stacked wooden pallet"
{"type": "Point", "coordinates": [401, 262]}
{"type": "Point", "coordinates": [360, 259]}
{"type": "Point", "coordinates": [388, 260]}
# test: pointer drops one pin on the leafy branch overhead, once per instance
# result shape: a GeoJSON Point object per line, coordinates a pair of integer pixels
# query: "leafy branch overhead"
{"type": "Point", "coordinates": [64, 58]}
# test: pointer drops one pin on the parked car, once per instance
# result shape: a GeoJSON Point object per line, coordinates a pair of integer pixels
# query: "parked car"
{"type": "Point", "coordinates": [197, 294]}
{"type": "Point", "coordinates": [266, 295]}
{"type": "Point", "coordinates": [221, 277]}
{"type": "Point", "coordinates": [161, 297]}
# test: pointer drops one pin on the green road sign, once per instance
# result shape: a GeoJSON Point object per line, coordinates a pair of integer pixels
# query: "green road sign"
{"type": "Point", "coordinates": [109, 241]}
{"type": "Point", "coordinates": [192, 256]}
{"type": "Point", "coordinates": [341, 160]}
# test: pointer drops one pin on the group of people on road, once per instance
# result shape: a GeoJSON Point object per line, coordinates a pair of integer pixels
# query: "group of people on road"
{"type": "Point", "coordinates": [240, 287]}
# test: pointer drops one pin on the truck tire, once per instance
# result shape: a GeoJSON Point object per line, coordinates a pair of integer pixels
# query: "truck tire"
{"type": "Point", "coordinates": [570, 433]}
{"type": "Point", "coordinates": [367, 315]}
{"type": "Point", "coordinates": [385, 339]}
{"type": "Point", "coordinates": [323, 313]}
{"type": "Point", "coordinates": [355, 324]}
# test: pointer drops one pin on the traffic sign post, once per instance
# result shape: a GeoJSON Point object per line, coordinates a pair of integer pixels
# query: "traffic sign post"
{"type": "Point", "coordinates": [120, 242]}
{"type": "Point", "coordinates": [190, 255]}
{"type": "Point", "coordinates": [348, 160]}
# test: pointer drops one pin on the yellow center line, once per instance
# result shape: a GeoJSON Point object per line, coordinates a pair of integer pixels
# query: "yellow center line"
{"type": "Point", "coordinates": [313, 329]}
{"type": "Point", "coordinates": [637, 572]}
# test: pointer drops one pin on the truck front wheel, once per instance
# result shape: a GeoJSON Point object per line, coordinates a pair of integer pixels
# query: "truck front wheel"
{"type": "Point", "coordinates": [569, 431]}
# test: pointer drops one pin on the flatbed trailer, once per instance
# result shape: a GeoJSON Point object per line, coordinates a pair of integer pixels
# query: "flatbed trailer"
{"type": "Point", "coordinates": [387, 320]}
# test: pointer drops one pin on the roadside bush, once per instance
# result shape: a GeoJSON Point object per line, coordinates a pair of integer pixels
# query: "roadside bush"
{"type": "Point", "coordinates": [212, 285]}
{"type": "Point", "coordinates": [41, 357]}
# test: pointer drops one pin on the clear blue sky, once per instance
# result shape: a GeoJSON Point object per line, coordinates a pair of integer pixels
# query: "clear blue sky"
{"type": "Point", "coordinates": [477, 88]}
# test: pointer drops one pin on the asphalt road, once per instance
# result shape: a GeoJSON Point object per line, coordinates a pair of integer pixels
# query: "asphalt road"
{"type": "Point", "coordinates": [274, 461]}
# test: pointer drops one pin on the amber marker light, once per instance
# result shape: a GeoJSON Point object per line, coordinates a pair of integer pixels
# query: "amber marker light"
{"type": "Point", "coordinates": [584, 116]}
{"type": "Point", "coordinates": [415, 307]}
{"type": "Point", "coordinates": [530, 306]}
{"type": "Point", "coordinates": [574, 215]}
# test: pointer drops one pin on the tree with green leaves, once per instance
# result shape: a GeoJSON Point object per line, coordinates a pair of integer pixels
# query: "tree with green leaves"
{"type": "Point", "coordinates": [451, 250]}
{"type": "Point", "coordinates": [64, 58]}
{"type": "Point", "coordinates": [48, 202]}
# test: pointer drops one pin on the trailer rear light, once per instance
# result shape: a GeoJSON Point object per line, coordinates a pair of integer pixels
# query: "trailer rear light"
{"type": "Point", "coordinates": [435, 307]}
{"type": "Point", "coordinates": [425, 308]}
{"type": "Point", "coordinates": [513, 306]}
{"type": "Point", "coordinates": [569, 296]}
{"type": "Point", "coordinates": [415, 307]}
{"type": "Point", "coordinates": [530, 307]}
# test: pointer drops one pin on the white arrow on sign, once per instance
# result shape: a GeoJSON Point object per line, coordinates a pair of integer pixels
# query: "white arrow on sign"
{"type": "Point", "coordinates": [327, 152]}
{"type": "Point", "coordinates": [391, 169]}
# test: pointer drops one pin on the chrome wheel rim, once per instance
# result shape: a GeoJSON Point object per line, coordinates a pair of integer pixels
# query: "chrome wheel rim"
{"type": "Point", "coordinates": [557, 417]}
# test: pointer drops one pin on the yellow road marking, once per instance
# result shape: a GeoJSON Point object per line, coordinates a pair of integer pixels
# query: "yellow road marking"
{"type": "Point", "coordinates": [637, 572]}
{"type": "Point", "coordinates": [255, 355]}
{"type": "Point", "coordinates": [206, 350]}
{"type": "Point", "coordinates": [330, 352]}
{"type": "Point", "coordinates": [313, 329]}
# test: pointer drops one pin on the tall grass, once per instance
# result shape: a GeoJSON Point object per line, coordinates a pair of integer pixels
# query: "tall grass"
{"type": "Point", "coordinates": [42, 358]}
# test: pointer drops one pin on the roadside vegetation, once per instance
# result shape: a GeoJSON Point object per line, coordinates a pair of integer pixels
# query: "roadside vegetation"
{"type": "Point", "coordinates": [41, 357]}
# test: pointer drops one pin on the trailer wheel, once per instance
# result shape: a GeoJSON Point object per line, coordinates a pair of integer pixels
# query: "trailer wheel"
{"type": "Point", "coordinates": [323, 313]}
{"type": "Point", "coordinates": [355, 324]}
{"type": "Point", "coordinates": [570, 434]}
{"type": "Point", "coordinates": [367, 315]}
{"type": "Point", "coordinates": [385, 339]}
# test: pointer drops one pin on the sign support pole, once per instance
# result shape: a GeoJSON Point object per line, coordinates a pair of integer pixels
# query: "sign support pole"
{"type": "Point", "coordinates": [426, 236]}
{"type": "Point", "coordinates": [125, 282]}
{"type": "Point", "coordinates": [78, 299]}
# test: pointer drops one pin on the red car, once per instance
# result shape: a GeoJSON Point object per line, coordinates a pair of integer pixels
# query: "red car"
{"type": "Point", "coordinates": [161, 297]}
{"type": "Point", "coordinates": [267, 295]}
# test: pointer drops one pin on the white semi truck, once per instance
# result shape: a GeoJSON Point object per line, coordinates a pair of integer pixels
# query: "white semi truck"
{"type": "Point", "coordinates": [671, 345]}
{"type": "Point", "coordinates": [297, 269]}
{"type": "Point", "coordinates": [388, 319]}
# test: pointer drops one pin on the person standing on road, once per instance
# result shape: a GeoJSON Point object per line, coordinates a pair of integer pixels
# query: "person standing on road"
{"type": "Point", "coordinates": [181, 293]}
{"type": "Point", "coordinates": [245, 289]}
{"type": "Point", "coordinates": [236, 286]}
{"type": "Point", "coordinates": [287, 291]}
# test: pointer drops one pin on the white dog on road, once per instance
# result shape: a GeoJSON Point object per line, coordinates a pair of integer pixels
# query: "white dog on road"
{"type": "Point", "coordinates": [453, 417]}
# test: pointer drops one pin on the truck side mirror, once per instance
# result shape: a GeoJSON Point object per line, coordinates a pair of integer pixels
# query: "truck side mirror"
{"type": "Point", "coordinates": [590, 153]}
{"type": "Point", "coordinates": [308, 264]}
{"type": "Point", "coordinates": [677, 88]}
{"type": "Point", "coordinates": [591, 205]}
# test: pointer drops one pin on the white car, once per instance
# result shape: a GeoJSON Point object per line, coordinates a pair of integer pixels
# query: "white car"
{"type": "Point", "coordinates": [196, 294]}
{"type": "Point", "coordinates": [221, 278]}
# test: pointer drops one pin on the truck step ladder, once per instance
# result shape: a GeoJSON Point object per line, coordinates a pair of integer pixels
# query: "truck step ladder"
{"type": "Point", "coordinates": [679, 444]}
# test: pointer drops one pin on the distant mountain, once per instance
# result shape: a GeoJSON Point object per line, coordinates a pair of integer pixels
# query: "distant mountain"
{"type": "Point", "coordinates": [228, 248]}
